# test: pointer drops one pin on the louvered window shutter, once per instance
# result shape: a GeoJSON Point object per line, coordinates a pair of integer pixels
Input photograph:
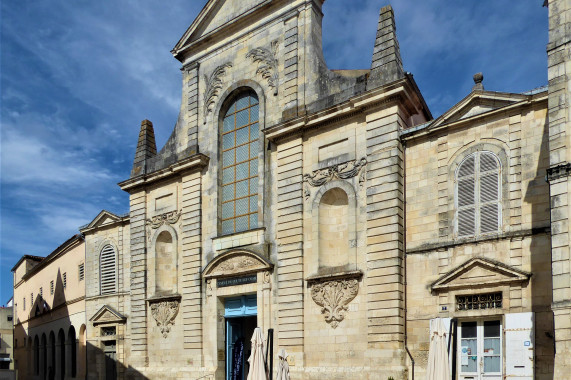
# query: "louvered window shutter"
{"type": "Point", "coordinates": [478, 195]}
{"type": "Point", "coordinates": [489, 193]}
{"type": "Point", "coordinates": [107, 269]}
{"type": "Point", "coordinates": [467, 197]}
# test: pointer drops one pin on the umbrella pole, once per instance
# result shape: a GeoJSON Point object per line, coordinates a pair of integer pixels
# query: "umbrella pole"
{"type": "Point", "coordinates": [270, 348]}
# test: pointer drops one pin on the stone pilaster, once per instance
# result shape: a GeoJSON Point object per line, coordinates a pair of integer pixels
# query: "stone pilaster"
{"type": "Point", "coordinates": [290, 246]}
{"type": "Point", "coordinates": [385, 253]}
{"type": "Point", "coordinates": [138, 317]}
{"type": "Point", "coordinates": [191, 305]}
{"type": "Point", "coordinates": [559, 76]}
{"type": "Point", "coordinates": [191, 115]}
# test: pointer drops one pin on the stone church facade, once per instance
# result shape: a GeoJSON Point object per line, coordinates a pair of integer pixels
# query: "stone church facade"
{"type": "Point", "coordinates": [332, 208]}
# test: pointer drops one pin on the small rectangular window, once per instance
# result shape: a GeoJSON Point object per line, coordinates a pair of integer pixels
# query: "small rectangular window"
{"type": "Point", "coordinates": [52, 287]}
{"type": "Point", "coordinates": [24, 306]}
{"type": "Point", "coordinates": [81, 270]}
{"type": "Point", "coordinates": [64, 280]}
{"type": "Point", "coordinates": [41, 292]}
{"type": "Point", "coordinates": [10, 318]}
{"type": "Point", "coordinates": [31, 299]}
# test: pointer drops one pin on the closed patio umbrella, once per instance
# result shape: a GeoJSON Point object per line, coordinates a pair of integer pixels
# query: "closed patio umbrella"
{"type": "Point", "coordinates": [256, 360]}
{"type": "Point", "coordinates": [438, 368]}
{"type": "Point", "coordinates": [283, 367]}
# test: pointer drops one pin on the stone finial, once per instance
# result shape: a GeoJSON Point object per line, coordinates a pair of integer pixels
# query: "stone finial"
{"type": "Point", "coordinates": [146, 147]}
{"type": "Point", "coordinates": [478, 79]}
{"type": "Point", "coordinates": [386, 66]}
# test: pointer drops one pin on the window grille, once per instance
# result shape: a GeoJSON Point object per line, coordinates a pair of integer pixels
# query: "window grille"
{"type": "Point", "coordinates": [41, 292]}
{"type": "Point", "coordinates": [52, 287]}
{"type": "Point", "coordinates": [31, 298]}
{"type": "Point", "coordinates": [479, 301]}
{"type": "Point", "coordinates": [240, 130]}
{"type": "Point", "coordinates": [81, 271]}
{"type": "Point", "coordinates": [107, 267]}
{"type": "Point", "coordinates": [64, 280]}
{"type": "Point", "coordinates": [24, 303]}
{"type": "Point", "coordinates": [108, 331]}
{"type": "Point", "coordinates": [478, 195]}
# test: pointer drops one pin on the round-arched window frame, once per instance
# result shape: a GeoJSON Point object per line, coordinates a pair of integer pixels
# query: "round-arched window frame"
{"type": "Point", "coordinates": [239, 156]}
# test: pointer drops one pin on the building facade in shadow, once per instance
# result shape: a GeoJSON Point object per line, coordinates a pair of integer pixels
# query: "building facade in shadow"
{"type": "Point", "coordinates": [49, 314]}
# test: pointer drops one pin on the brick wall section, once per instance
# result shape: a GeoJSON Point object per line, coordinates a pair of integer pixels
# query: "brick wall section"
{"type": "Point", "coordinates": [138, 317]}
{"type": "Point", "coordinates": [384, 229]}
{"type": "Point", "coordinates": [290, 71]}
{"type": "Point", "coordinates": [190, 286]}
{"type": "Point", "coordinates": [559, 76]}
{"type": "Point", "coordinates": [289, 236]}
{"type": "Point", "coordinates": [191, 116]}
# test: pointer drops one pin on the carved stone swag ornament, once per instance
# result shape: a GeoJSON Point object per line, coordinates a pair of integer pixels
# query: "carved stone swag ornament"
{"type": "Point", "coordinates": [333, 296]}
{"type": "Point", "coordinates": [346, 170]}
{"type": "Point", "coordinates": [166, 218]}
{"type": "Point", "coordinates": [164, 313]}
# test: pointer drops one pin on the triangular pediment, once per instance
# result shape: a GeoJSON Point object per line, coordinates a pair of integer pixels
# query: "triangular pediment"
{"type": "Point", "coordinates": [107, 315]}
{"type": "Point", "coordinates": [104, 218]}
{"type": "Point", "coordinates": [478, 272]}
{"type": "Point", "coordinates": [477, 103]}
{"type": "Point", "coordinates": [214, 16]}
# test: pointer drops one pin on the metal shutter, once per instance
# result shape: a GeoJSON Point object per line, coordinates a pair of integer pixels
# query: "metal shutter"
{"type": "Point", "coordinates": [107, 269]}
{"type": "Point", "coordinates": [519, 340]}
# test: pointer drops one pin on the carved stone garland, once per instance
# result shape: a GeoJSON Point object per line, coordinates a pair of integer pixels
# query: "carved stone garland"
{"type": "Point", "coordinates": [213, 86]}
{"type": "Point", "coordinates": [341, 171]}
{"type": "Point", "coordinates": [164, 313]}
{"type": "Point", "coordinates": [333, 296]}
{"type": "Point", "coordinates": [267, 64]}
{"type": "Point", "coordinates": [166, 218]}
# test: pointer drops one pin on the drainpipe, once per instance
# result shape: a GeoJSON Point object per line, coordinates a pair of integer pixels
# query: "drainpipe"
{"type": "Point", "coordinates": [404, 259]}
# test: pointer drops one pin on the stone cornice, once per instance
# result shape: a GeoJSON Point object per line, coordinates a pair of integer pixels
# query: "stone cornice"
{"type": "Point", "coordinates": [194, 162]}
{"type": "Point", "coordinates": [559, 171]}
{"type": "Point", "coordinates": [392, 93]}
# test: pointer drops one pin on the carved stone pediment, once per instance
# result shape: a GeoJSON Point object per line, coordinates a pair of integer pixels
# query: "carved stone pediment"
{"type": "Point", "coordinates": [480, 271]}
{"type": "Point", "coordinates": [236, 263]}
{"type": "Point", "coordinates": [107, 315]}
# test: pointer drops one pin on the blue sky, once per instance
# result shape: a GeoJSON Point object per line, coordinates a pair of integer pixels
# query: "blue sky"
{"type": "Point", "coordinates": [77, 78]}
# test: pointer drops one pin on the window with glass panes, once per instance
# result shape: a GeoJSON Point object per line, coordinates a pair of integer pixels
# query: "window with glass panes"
{"type": "Point", "coordinates": [240, 130]}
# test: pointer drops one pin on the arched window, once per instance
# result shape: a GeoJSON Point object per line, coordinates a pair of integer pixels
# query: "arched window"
{"type": "Point", "coordinates": [239, 135]}
{"type": "Point", "coordinates": [108, 270]}
{"type": "Point", "coordinates": [478, 208]}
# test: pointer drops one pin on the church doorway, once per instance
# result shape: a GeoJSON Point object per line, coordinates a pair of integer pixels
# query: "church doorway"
{"type": "Point", "coordinates": [241, 320]}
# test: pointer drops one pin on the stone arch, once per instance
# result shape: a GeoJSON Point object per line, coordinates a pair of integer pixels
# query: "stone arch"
{"type": "Point", "coordinates": [239, 261]}
{"type": "Point", "coordinates": [44, 356]}
{"type": "Point", "coordinates": [52, 352]}
{"type": "Point", "coordinates": [71, 352]}
{"type": "Point", "coordinates": [164, 246]}
{"type": "Point", "coordinates": [60, 356]}
{"type": "Point", "coordinates": [339, 199]}
{"type": "Point", "coordinates": [81, 351]}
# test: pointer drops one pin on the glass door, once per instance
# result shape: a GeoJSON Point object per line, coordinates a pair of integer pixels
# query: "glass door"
{"type": "Point", "coordinates": [480, 350]}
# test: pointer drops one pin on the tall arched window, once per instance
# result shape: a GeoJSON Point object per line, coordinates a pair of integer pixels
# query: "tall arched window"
{"type": "Point", "coordinates": [108, 270]}
{"type": "Point", "coordinates": [478, 195]}
{"type": "Point", "coordinates": [239, 135]}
